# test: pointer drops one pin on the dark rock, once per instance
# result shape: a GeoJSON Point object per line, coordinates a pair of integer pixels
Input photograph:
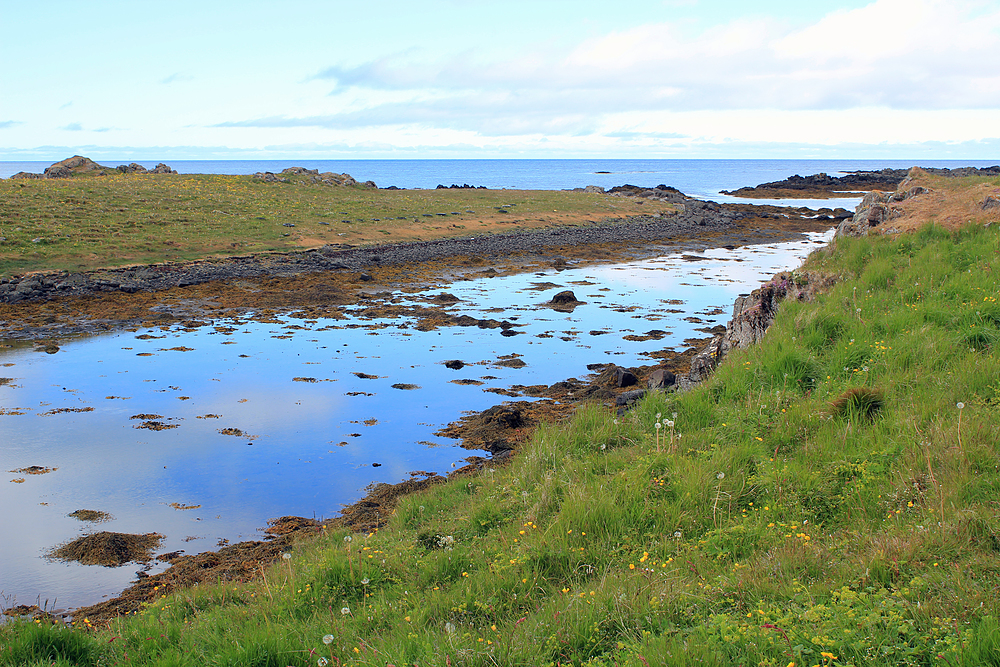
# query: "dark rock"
{"type": "Point", "coordinates": [627, 397]}
{"type": "Point", "coordinates": [661, 378]}
{"type": "Point", "coordinates": [134, 168]}
{"type": "Point", "coordinates": [454, 364]}
{"type": "Point", "coordinates": [162, 169]}
{"type": "Point", "coordinates": [990, 203]}
{"type": "Point", "coordinates": [564, 297]}
{"type": "Point", "coordinates": [625, 378]}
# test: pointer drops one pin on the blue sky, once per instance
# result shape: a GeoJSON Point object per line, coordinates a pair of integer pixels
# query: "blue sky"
{"type": "Point", "coordinates": [469, 78]}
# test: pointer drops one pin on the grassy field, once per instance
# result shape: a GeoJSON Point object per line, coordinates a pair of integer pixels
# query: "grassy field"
{"type": "Point", "coordinates": [828, 497]}
{"type": "Point", "coordinates": [90, 222]}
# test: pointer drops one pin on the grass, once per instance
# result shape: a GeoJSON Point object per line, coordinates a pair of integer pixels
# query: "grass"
{"type": "Point", "coordinates": [828, 497]}
{"type": "Point", "coordinates": [92, 222]}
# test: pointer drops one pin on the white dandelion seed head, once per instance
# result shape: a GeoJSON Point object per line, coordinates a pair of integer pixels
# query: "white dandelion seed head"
{"type": "Point", "coordinates": [603, 446]}
{"type": "Point", "coordinates": [721, 475]}
{"type": "Point", "coordinates": [364, 582]}
{"type": "Point", "coordinates": [345, 610]}
{"type": "Point", "coordinates": [670, 423]}
{"type": "Point", "coordinates": [327, 639]}
{"type": "Point", "coordinates": [960, 405]}
{"type": "Point", "coordinates": [322, 662]}
{"type": "Point", "coordinates": [348, 538]}
{"type": "Point", "coordinates": [677, 534]}
{"type": "Point", "coordinates": [286, 556]}
{"type": "Point", "coordinates": [658, 426]}
{"type": "Point", "coordinates": [449, 628]}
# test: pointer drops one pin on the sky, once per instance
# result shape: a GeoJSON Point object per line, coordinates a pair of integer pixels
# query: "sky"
{"type": "Point", "coordinates": [425, 79]}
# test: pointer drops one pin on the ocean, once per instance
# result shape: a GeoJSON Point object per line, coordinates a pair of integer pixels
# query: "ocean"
{"type": "Point", "coordinates": [698, 178]}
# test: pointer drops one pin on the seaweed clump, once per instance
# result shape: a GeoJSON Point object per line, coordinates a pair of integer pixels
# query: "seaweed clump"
{"type": "Point", "coordinates": [109, 549]}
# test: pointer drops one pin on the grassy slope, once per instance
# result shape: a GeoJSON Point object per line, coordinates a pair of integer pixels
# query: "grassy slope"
{"type": "Point", "coordinates": [768, 527]}
{"type": "Point", "coordinates": [90, 222]}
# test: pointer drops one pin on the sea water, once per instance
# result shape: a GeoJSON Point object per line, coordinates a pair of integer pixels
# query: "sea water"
{"type": "Point", "coordinates": [703, 179]}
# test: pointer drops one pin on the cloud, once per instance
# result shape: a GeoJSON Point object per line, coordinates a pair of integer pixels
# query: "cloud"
{"type": "Point", "coordinates": [901, 54]}
{"type": "Point", "coordinates": [4, 124]}
{"type": "Point", "coordinates": [72, 127]}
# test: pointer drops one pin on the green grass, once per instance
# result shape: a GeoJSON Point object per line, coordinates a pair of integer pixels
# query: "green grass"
{"type": "Point", "coordinates": [93, 222]}
{"type": "Point", "coordinates": [828, 497]}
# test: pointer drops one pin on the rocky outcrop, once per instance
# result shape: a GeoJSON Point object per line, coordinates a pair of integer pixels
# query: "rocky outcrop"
{"type": "Point", "coordinates": [753, 315]}
{"type": "Point", "coordinates": [84, 166]}
{"type": "Point", "coordinates": [876, 208]}
{"type": "Point", "coordinates": [311, 177]}
{"type": "Point", "coordinates": [136, 168]}
{"type": "Point", "coordinates": [74, 166]}
{"type": "Point", "coordinates": [884, 179]}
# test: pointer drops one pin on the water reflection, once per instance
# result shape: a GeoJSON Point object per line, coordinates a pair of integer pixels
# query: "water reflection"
{"type": "Point", "coordinates": [202, 434]}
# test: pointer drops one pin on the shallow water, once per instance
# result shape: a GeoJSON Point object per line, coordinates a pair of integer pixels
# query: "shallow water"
{"type": "Point", "coordinates": [311, 430]}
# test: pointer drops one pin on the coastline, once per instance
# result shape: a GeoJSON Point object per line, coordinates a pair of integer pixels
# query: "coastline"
{"type": "Point", "coordinates": [506, 426]}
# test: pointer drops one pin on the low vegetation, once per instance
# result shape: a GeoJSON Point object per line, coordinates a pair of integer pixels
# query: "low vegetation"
{"type": "Point", "coordinates": [88, 222]}
{"type": "Point", "coordinates": [828, 497]}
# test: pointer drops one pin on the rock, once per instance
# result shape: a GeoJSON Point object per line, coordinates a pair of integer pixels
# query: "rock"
{"type": "Point", "coordinates": [454, 364]}
{"type": "Point", "coordinates": [72, 167]}
{"type": "Point", "coordinates": [300, 171]}
{"type": "Point", "coordinates": [627, 397]}
{"type": "Point", "coordinates": [162, 169]}
{"type": "Point", "coordinates": [871, 212]}
{"type": "Point", "coordinates": [990, 203]}
{"type": "Point", "coordinates": [625, 378]}
{"type": "Point", "coordinates": [27, 174]}
{"type": "Point", "coordinates": [661, 378]}
{"type": "Point", "coordinates": [564, 301]}
{"type": "Point", "coordinates": [705, 361]}
{"type": "Point", "coordinates": [595, 189]}
{"type": "Point", "coordinates": [134, 168]}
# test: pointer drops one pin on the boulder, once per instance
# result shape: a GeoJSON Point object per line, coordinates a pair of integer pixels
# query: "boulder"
{"type": "Point", "coordinates": [704, 363]}
{"type": "Point", "coordinates": [73, 166]}
{"type": "Point", "coordinates": [625, 378]}
{"type": "Point", "coordinates": [564, 301]}
{"type": "Point", "coordinates": [661, 378]}
{"type": "Point", "coordinates": [162, 169]}
{"type": "Point", "coordinates": [134, 168]}
{"type": "Point", "coordinates": [990, 203]}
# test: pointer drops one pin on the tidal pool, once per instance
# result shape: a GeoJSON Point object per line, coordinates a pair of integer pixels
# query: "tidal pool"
{"type": "Point", "coordinates": [203, 433]}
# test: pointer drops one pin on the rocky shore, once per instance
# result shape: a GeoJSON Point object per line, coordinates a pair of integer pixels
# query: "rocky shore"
{"type": "Point", "coordinates": [727, 224]}
{"type": "Point", "coordinates": [824, 185]}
